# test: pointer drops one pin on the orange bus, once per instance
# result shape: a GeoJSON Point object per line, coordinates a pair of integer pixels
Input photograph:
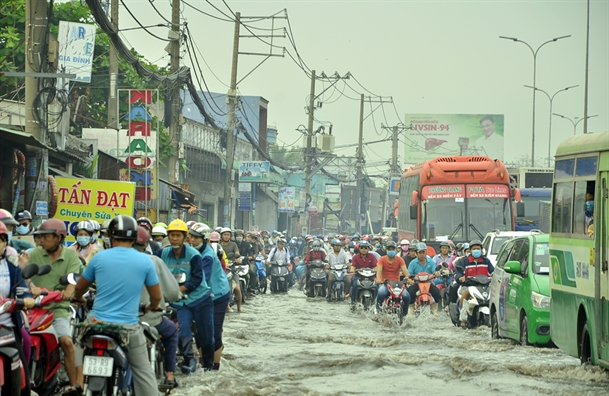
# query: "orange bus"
{"type": "Point", "coordinates": [458, 198]}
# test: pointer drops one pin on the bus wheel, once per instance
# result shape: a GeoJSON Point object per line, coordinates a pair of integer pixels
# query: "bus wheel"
{"type": "Point", "coordinates": [585, 352]}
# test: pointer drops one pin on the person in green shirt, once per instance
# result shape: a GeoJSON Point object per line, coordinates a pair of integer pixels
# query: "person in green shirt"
{"type": "Point", "coordinates": [51, 235]}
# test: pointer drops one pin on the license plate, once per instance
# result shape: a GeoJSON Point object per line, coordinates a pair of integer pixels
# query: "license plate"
{"type": "Point", "coordinates": [98, 366]}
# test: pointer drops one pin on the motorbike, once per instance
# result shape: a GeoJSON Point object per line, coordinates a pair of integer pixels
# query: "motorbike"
{"type": "Point", "coordinates": [243, 270]}
{"type": "Point", "coordinates": [444, 287]}
{"type": "Point", "coordinates": [12, 372]}
{"type": "Point", "coordinates": [393, 303]}
{"type": "Point", "coordinates": [365, 292]}
{"type": "Point", "coordinates": [423, 300]}
{"type": "Point", "coordinates": [338, 288]}
{"type": "Point", "coordinates": [479, 290]}
{"type": "Point", "coordinates": [279, 277]}
{"type": "Point", "coordinates": [317, 279]}
{"type": "Point", "coordinates": [261, 273]}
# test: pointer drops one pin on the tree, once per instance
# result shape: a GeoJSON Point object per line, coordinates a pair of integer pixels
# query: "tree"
{"type": "Point", "coordinates": [93, 108]}
{"type": "Point", "coordinates": [286, 156]}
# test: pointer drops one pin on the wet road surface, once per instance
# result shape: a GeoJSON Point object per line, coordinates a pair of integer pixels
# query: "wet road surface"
{"type": "Point", "coordinates": [293, 345]}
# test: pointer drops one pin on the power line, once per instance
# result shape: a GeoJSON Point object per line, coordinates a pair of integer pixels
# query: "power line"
{"type": "Point", "coordinates": [205, 13]}
{"type": "Point", "coordinates": [139, 23]}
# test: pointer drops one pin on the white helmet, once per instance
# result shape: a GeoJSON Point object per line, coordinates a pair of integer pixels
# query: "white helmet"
{"type": "Point", "coordinates": [158, 230]}
{"type": "Point", "coordinates": [200, 230]}
{"type": "Point", "coordinates": [225, 229]}
{"type": "Point", "coordinates": [404, 242]}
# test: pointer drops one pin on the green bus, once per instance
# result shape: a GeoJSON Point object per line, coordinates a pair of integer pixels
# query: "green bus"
{"type": "Point", "coordinates": [579, 275]}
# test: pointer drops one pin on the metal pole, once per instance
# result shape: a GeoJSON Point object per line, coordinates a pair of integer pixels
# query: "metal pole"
{"type": "Point", "coordinates": [230, 140]}
{"type": "Point", "coordinates": [360, 160]}
{"type": "Point", "coordinates": [586, 78]}
{"type": "Point", "coordinates": [534, 91]}
{"type": "Point", "coordinates": [394, 151]}
{"type": "Point", "coordinates": [308, 157]}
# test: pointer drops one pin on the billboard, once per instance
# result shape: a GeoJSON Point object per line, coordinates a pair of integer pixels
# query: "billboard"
{"type": "Point", "coordinates": [76, 45]}
{"type": "Point", "coordinates": [286, 196]}
{"type": "Point", "coordinates": [435, 135]}
{"type": "Point", "coordinates": [254, 172]}
{"type": "Point", "coordinates": [89, 199]}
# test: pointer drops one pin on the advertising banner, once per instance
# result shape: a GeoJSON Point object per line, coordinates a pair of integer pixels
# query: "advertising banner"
{"type": "Point", "coordinates": [487, 191]}
{"type": "Point", "coordinates": [254, 172]}
{"type": "Point", "coordinates": [394, 186]}
{"type": "Point", "coordinates": [76, 45]}
{"type": "Point", "coordinates": [287, 196]}
{"type": "Point", "coordinates": [245, 201]}
{"type": "Point", "coordinates": [435, 135]}
{"type": "Point", "coordinates": [87, 199]}
{"type": "Point", "coordinates": [438, 192]}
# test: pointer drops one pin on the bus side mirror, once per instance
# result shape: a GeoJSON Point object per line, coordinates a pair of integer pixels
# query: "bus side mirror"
{"type": "Point", "coordinates": [519, 209]}
{"type": "Point", "coordinates": [413, 212]}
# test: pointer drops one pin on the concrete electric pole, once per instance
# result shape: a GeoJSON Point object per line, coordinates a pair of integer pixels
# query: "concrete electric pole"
{"type": "Point", "coordinates": [112, 98]}
{"type": "Point", "coordinates": [231, 129]}
{"type": "Point", "coordinates": [360, 165]}
{"type": "Point", "coordinates": [308, 158]}
{"type": "Point", "coordinates": [174, 126]}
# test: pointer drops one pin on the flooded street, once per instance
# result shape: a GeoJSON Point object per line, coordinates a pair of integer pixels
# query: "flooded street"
{"type": "Point", "coordinates": [289, 344]}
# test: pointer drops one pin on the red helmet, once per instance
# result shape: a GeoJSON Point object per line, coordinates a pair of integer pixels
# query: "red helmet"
{"type": "Point", "coordinates": [52, 226]}
{"type": "Point", "coordinates": [142, 235]}
{"type": "Point", "coordinates": [7, 218]}
{"type": "Point", "coordinates": [3, 229]}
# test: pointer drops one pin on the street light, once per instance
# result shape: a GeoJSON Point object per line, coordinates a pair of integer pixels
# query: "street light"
{"type": "Point", "coordinates": [550, 129]}
{"type": "Point", "coordinates": [574, 122]}
{"type": "Point", "coordinates": [534, 52]}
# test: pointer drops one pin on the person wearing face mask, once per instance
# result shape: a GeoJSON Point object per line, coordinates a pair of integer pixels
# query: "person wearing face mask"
{"type": "Point", "coordinates": [199, 237]}
{"type": "Point", "coordinates": [389, 267]}
{"type": "Point", "coordinates": [315, 253]}
{"type": "Point", "coordinates": [589, 214]}
{"type": "Point", "coordinates": [85, 243]}
{"type": "Point", "coordinates": [15, 246]}
{"type": "Point", "coordinates": [473, 264]}
{"type": "Point", "coordinates": [247, 252]}
{"type": "Point", "coordinates": [404, 246]}
{"type": "Point", "coordinates": [24, 217]}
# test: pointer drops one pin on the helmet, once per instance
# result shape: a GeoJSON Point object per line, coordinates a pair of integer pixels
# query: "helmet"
{"type": "Point", "coordinates": [225, 229]}
{"type": "Point", "coordinates": [177, 225]}
{"type": "Point", "coordinates": [404, 242]}
{"type": "Point", "coordinates": [317, 243]}
{"type": "Point", "coordinates": [421, 247]}
{"type": "Point", "coordinates": [7, 218]}
{"type": "Point", "coordinates": [444, 243]}
{"type": "Point", "coordinates": [390, 244]}
{"type": "Point", "coordinates": [364, 243]}
{"type": "Point", "coordinates": [465, 246]}
{"type": "Point", "coordinates": [160, 224]}
{"type": "Point", "coordinates": [200, 230]}
{"type": "Point", "coordinates": [275, 232]}
{"type": "Point", "coordinates": [474, 243]}
{"type": "Point", "coordinates": [281, 241]}
{"type": "Point", "coordinates": [214, 236]}
{"type": "Point", "coordinates": [238, 232]}
{"type": "Point", "coordinates": [145, 221]}
{"type": "Point", "coordinates": [158, 230]}
{"type": "Point", "coordinates": [293, 241]}
{"type": "Point", "coordinates": [85, 225]}
{"type": "Point", "coordinates": [142, 236]}
{"type": "Point", "coordinates": [459, 246]}
{"type": "Point", "coordinates": [52, 226]}
{"type": "Point", "coordinates": [123, 227]}
{"type": "Point", "coordinates": [95, 224]}
{"type": "Point", "coordinates": [336, 242]}
{"type": "Point", "coordinates": [190, 223]}
{"type": "Point", "coordinates": [375, 238]}
{"type": "Point", "coordinates": [218, 229]}
{"type": "Point", "coordinates": [356, 236]}
{"type": "Point", "coordinates": [365, 238]}
{"type": "Point", "coordinates": [105, 225]}
{"type": "Point", "coordinates": [23, 215]}
{"type": "Point", "coordinates": [352, 245]}
{"type": "Point", "coordinates": [3, 229]}
{"type": "Point", "coordinates": [414, 241]}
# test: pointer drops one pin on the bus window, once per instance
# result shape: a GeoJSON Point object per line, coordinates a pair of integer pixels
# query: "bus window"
{"type": "Point", "coordinates": [563, 207]}
{"type": "Point", "coordinates": [579, 215]}
{"type": "Point", "coordinates": [564, 168]}
{"type": "Point", "coordinates": [586, 166]}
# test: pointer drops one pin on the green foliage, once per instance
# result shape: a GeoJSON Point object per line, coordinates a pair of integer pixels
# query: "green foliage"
{"type": "Point", "coordinates": [286, 156]}
{"type": "Point", "coordinates": [93, 109]}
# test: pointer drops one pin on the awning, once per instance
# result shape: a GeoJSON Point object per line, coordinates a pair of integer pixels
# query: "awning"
{"type": "Point", "coordinates": [182, 198]}
{"type": "Point", "coordinates": [21, 138]}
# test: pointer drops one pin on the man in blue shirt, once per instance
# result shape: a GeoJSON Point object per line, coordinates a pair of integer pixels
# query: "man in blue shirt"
{"type": "Point", "coordinates": [120, 273]}
{"type": "Point", "coordinates": [423, 263]}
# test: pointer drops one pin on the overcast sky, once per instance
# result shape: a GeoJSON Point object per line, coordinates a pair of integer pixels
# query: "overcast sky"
{"type": "Point", "coordinates": [430, 56]}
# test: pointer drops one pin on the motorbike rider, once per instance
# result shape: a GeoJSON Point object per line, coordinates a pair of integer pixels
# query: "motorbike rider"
{"type": "Point", "coordinates": [117, 298]}
{"type": "Point", "coordinates": [200, 238]}
{"type": "Point", "coordinates": [158, 234]}
{"type": "Point", "coordinates": [473, 264]}
{"type": "Point", "coordinates": [247, 258]}
{"type": "Point", "coordinates": [50, 237]}
{"type": "Point", "coordinates": [361, 260]}
{"type": "Point", "coordinates": [388, 268]}
{"type": "Point", "coordinates": [19, 245]}
{"type": "Point", "coordinates": [170, 292]}
{"type": "Point", "coordinates": [338, 256]}
{"type": "Point", "coordinates": [453, 293]}
{"type": "Point", "coordinates": [443, 256]}
{"type": "Point", "coordinates": [315, 253]}
{"type": "Point", "coordinates": [25, 227]}
{"type": "Point", "coordinates": [280, 252]}
{"type": "Point", "coordinates": [85, 243]}
{"type": "Point", "coordinates": [423, 263]}
{"type": "Point", "coordinates": [404, 246]}
{"type": "Point", "coordinates": [153, 246]}
{"type": "Point", "coordinates": [198, 306]}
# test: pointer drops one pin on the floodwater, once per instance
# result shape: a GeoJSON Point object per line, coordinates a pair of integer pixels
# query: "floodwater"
{"type": "Point", "coordinates": [293, 345]}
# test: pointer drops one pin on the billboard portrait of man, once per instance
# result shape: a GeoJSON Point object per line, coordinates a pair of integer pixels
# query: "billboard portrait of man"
{"type": "Point", "coordinates": [490, 143]}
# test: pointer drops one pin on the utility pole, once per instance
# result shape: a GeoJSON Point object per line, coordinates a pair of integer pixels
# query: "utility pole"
{"type": "Point", "coordinates": [36, 26]}
{"type": "Point", "coordinates": [112, 99]}
{"type": "Point", "coordinates": [230, 140]}
{"type": "Point", "coordinates": [360, 164]}
{"type": "Point", "coordinates": [394, 152]}
{"type": "Point", "coordinates": [308, 157]}
{"type": "Point", "coordinates": [174, 166]}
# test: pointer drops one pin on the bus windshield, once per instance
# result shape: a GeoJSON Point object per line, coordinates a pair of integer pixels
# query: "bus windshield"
{"type": "Point", "coordinates": [446, 218]}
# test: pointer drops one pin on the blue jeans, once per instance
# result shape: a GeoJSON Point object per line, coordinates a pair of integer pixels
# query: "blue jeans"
{"type": "Point", "coordinates": [202, 313]}
{"type": "Point", "coordinates": [220, 306]}
{"type": "Point", "coordinates": [169, 337]}
{"type": "Point", "coordinates": [353, 288]}
{"type": "Point", "coordinates": [382, 294]}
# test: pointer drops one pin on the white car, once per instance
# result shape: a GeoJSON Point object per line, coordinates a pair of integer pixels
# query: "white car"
{"type": "Point", "coordinates": [493, 240]}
